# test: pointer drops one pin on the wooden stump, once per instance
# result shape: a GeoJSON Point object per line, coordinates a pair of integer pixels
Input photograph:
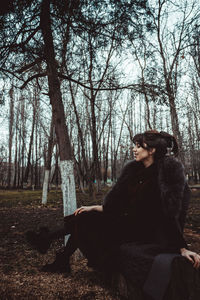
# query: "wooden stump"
{"type": "Point", "coordinates": [185, 281]}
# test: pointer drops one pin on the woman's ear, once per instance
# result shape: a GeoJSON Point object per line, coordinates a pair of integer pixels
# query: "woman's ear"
{"type": "Point", "coordinates": [152, 151]}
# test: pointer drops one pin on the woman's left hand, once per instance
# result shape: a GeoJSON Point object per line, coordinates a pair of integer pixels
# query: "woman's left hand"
{"type": "Point", "coordinates": [88, 208]}
{"type": "Point", "coordinates": [82, 209]}
{"type": "Point", "coordinates": [191, 256]}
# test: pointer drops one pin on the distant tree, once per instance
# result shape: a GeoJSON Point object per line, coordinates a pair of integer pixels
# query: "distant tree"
{"type": "Point", "coordinates": [30, 147]}
{"type": "Point", "coordinates": [3, 165]}
{"type": "Point", "coordinates": [11, 132]}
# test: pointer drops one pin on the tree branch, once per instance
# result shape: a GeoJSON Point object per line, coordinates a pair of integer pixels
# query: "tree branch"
{"type": "Point", "coordinates": [26, 67]}
{"type": "Point", "coordinates": [33, 77]}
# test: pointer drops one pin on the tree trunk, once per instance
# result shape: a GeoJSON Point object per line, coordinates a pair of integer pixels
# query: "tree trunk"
{"type": "Point", "coordinates": [48, 167]}
{"type": "Point", "coordinates": [23, 138]}
{"type": "Point", "coordinates": [11, 116]}
{"type": "Point", "coordinates": [36, 155]}
{"type": "Point", "coordinates": [66, 163]}
{"type": "Point", "coordinates": [107, 150]}
{"type": "Point", "coordinates": [19, 158]}
{"type": "Point", "coordinates": [82, 141]}
{"type": "Point", "coordinates": [16, 151]}
{"type": "Point", "coordinates": [31, 143]}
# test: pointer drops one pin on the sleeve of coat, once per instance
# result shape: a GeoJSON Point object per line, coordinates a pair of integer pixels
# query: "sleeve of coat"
{"type": "Point", "coordinates": [115, 200]}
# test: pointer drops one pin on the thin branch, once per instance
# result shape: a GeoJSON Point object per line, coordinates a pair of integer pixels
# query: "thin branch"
{"type": "Point", "coordinates": [136, 87]}
{"type": "Point", "coordinates": [31, 78]}
{"type": "Point", "coordinates": [26, 67]}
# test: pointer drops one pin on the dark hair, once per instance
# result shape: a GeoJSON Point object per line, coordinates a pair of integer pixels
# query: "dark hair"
{"type": "Point", "coordinates": [163, 142]}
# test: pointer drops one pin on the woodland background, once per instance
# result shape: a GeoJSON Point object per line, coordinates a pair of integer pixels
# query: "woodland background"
{"type": "Point", "coordinates": [80, 78]}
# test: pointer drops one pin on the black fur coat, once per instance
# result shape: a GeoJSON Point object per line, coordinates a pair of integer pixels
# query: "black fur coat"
{"type": "Point", "coordinates": [173, 189]}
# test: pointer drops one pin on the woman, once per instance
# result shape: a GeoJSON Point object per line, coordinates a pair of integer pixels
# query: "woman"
{"type": "Point", "coordinates": [141, 217]}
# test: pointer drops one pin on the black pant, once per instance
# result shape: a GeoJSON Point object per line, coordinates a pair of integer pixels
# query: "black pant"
{"type": "Point", "coordinates": [96, 234]}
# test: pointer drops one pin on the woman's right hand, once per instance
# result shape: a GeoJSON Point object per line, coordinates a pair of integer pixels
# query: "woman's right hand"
{"type": "Point", "coordinates": [88, 208]}
{"type": "Point", "coordinates": [193, 257]}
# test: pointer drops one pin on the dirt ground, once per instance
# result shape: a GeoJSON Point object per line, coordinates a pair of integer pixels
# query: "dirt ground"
{"type": "Point", "coordinates": [20, 265]}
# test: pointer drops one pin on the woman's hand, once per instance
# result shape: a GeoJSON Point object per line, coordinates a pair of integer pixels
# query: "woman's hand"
{"type": "Point", "coordinates": [191, 256]}
{"type": "Point", "coordinates": [88, 208]}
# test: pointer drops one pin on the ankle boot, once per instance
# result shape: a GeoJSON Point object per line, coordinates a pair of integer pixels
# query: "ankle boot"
{"type": "Point", "coordinates": [40, 241]}
{"type": "Point", "coordinates": [60, 264]}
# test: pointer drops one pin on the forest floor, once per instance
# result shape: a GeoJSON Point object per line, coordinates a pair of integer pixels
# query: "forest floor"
{"type": "Point", "coordinates": [20, 265]}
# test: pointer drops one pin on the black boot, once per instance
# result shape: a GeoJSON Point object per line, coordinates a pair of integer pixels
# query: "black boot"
{"type": "Point", "coordinates": [60, 265]}
{"type": "Point", "coordinates": [40, 241]}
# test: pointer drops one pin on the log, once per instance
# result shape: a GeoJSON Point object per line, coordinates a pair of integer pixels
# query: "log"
{"type": "Point", "coordinates": [184, 284]}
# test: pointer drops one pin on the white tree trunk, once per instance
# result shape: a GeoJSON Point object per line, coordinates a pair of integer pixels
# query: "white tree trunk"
{"type": "Point", "coordinates": [45, 186]}
{"type": "Point", "coordinates": [68, 186]}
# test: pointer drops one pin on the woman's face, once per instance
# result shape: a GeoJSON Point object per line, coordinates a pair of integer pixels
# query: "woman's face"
{"type": "Point", "coordinates": [142, 154]}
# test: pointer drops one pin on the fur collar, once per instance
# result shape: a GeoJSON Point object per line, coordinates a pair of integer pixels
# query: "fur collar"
{"type": "Point", "coordinates": [172, 184]}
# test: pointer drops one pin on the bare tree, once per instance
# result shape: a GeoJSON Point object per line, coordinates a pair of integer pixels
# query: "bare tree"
{"type": "Point", "coordinates": [66, 163]}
